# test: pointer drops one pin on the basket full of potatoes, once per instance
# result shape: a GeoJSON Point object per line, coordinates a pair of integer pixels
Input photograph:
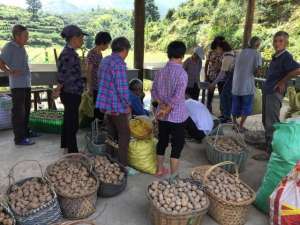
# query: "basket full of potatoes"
{"type": "Point", "coordinates": [226, 147]}
{"type": "Point", "coordinates": [111, 175]}
{"type": "Point", "coordinates": [6, 216]}
{"type": "Point", "coordinates": [76, 185]}
{"type": "Point", "coordinates": [33, 200]}
{"type": "Point", "coordinates": [181, 202]}
{"type": "Point", "coordinates": [230, 197]}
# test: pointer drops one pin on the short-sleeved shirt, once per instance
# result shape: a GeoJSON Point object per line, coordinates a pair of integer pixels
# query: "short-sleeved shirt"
{"type": "Point", "coordinates": [193, 69]}
{"type": "Point", "coordinates": [280, 66]}
{"type": "Point", "coordinates": [169, 87]}
{"type": "Point", "coordinates": [16, 58]}
{"type": "Point", "coordinates": [214, 65]}
{"type": "Point", "coordinates": [94, 59]}
{"type": "Point", "coordinates": [69, 71]}
{"type": "Point", "coordinates": [246, 64]}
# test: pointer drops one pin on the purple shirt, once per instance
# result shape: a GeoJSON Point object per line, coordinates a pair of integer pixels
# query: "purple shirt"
{"type": "Point", "coordinates": [169, 87]}
{"type": "Point", "coordinates": [113, 94]}
{"type": "Point", "coordinates": [94, 59]}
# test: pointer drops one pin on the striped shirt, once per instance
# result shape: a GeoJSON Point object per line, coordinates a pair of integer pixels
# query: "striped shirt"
{"type": "Point", "coordinates": [113, 94]}
{"type": "Point", "coordinates": [169, 88]}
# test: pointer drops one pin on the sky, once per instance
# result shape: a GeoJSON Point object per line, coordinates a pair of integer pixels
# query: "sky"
{"type": "Point", "coordinates": [163, 4]}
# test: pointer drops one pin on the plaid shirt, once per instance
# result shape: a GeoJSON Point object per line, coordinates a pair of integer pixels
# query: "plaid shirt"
{"type": "Point", "coordinates": [113, 94]}
{"type": "Point", "coordinates": [169, 87]}
{"type": "Point", "coordinates": [69, 71]}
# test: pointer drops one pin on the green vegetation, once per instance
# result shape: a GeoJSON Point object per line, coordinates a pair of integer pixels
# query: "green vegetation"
{"type": "Point", "coordinates": [195, 21]}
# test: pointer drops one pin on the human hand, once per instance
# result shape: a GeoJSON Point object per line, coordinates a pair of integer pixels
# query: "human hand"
{"type": "Point", "coordinates": [164, 110]}
{"type": "Point", "coordinates": [280, 86]}
{"type": "Point", "coordinates": [15, 72]}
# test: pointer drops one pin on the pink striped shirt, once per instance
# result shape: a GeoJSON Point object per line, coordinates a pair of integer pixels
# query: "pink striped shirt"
{"type": "Point", "coordinates": [169, 87]}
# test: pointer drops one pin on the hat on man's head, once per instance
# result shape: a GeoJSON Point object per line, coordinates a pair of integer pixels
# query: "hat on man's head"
{"type": "Point", "coordinates": [72, 31]}
{"type": "Point", "coordinates": [200, 52]}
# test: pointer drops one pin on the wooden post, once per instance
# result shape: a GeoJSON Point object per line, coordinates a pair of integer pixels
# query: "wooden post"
{"type": "Point", "coordinates": [139, 36]}
{"type": "Point", "coordinates": [249, 22]}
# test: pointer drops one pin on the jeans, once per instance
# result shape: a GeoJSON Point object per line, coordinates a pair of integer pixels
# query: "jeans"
{"type": "Point", "coordinates": [210, 96]}
{"type": "Point", "coordinates": [21, 100]}
{"type": "Point", "coordinates": [71, 104]}
{"type": "Point", "coordinates": [226, 97]}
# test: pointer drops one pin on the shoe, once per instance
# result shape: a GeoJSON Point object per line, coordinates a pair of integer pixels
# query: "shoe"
{"type": "Point", "coordinates": [32, 134]}
{"type": "Point", "coordinates": [25, 142]}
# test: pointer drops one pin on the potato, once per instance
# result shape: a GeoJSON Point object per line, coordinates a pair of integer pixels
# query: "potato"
{"type": "Point", "coordinates": [71, 178]}
{"type": "Point", "coordinates": [107, 171]}
{"type": "Point", "coordinates": [5, 218]}
{"type": "Point", "coordinates": [178, 197]}
{"type": "Point", "coordinates": [227, 144]}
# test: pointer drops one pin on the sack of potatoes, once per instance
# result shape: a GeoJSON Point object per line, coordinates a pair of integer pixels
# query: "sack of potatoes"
{"type": "Point", "coordinates": [226, 144]}
{"type": "Point", "coordinates": [141, 127]}
{"type": "Point", "coordinates": [72, 178]}
{"type": "Point", "coordinates": [6, 217]}
{"type": "Point", "coordinates": [30, 195]}
{"type": "Point", "coordinates": [226, 187]}
{"type": "Point", "coordinates": [178, 197]}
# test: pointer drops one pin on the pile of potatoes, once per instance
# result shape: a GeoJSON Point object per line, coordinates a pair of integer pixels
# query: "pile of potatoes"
{"type": "Point", "coordinates": [228, 144]}
{"type": "Point", "coordinates": [226, 187]}
{"type": "Point", "coordinates": [177, 197]}
{"type": "Point", "coordinates": [72, 178]}
{"type": "Point", "coordinates": [5, 218]}
{"type": "Point", "coordinates": [31, 195]}
{"type": "Point", "coordinates": [107, 171]}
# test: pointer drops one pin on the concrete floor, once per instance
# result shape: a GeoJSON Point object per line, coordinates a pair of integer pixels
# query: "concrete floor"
{"type": "Point", "coordinates": [131, 207]}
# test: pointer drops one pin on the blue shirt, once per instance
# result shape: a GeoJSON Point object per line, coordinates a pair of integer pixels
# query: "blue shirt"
{"type": "Point", "coordinates": [69, 71]}
{"type": "Point", "coordinates": [16, 58]}
{"type": "Point", "coordinates": [280, 66]}
{"type": "Point", "coordinates": [137, 105]}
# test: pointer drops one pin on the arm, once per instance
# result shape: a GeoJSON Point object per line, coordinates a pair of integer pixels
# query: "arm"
{"type": "Point", "coordinates": [4, 58]}
{"type": "Point", "coordinates": [281, 85]}
{"type": "Point", "coordinates": [206, 67]}
{"type": "Point", "coordinates": [136, 105]}
{"type": "Point", "coordinates": [219, 78]}
{"type": "Point", "coordinates": [154, 92]}
{"type": "Point", "coordinates": [119, 73]}
{"type": "Point", "coordinates": [89, 78]}
{"type": "Point", "coordinates": [185, 64]}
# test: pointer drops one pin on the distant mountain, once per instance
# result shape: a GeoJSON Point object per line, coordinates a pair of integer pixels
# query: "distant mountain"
{"type": "Point", "coordinates": [60, 7]}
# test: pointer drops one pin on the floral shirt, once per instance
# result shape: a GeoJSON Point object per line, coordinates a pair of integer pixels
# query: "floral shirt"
{"type": "Point", "coordinates": [214, 65]}
{"type": "Point", "coordinates": [94, 59]}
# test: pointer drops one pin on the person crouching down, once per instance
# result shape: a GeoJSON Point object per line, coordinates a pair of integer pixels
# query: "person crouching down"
{"type": "Point", "coordinates": [169, 91]}
{"type": "Point", "coordinates": [135, 96]}
{"type": "Point", "coordinates": [200, 122]}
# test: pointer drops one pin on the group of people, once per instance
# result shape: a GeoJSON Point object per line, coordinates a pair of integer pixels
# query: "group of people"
{"type": "Point", "coordinates": [175, 91]}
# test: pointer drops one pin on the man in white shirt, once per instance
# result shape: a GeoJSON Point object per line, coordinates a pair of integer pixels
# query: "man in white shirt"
{"type": "Point", "coordinates": [200, 122]}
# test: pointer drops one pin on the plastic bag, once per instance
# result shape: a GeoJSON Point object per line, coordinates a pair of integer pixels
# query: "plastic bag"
{"type": "Point", "coordinates": [142, 155]}
{"type": "Point", "coordinates": [286, 153]}
{"type": "Point", "coordinates": [285, 200]}
{"type": "Point", "coordinates": [86, 110]}
{"type": "Point", "coordinates": [141, 127]}
{"type": "Point", "coordinates": [257, 103]}
{"type": "Point", "coordinates": [5, 112]}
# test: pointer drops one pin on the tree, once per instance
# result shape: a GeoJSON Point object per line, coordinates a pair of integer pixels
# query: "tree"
{"type": "Point", "coordinates": [151, 12]}
{"type": "Point", "coordinates": [33, 7]}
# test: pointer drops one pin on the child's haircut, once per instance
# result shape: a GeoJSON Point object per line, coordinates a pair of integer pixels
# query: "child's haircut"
{"type": "Point", "coordinates": [102, 38]}
{"type": "Point", "coordinates": [133, 83]}
{"type": "Point", "coordinates": [176, 50]}
{"type": "Point", "coordinates": [281, 34]}
{"type": "Point", "coordinates": [225, 46]}
{"type": "Point", "coordinates": [120, 44]}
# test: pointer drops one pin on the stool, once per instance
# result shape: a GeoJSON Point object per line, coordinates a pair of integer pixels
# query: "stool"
{"type": "Point", "coordinates": [37, 99]}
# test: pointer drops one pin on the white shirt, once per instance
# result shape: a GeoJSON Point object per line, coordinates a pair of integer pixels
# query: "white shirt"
{"type": "Point", "coordinates": [200, 115]}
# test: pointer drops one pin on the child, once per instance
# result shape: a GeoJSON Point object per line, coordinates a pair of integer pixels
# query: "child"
{"type": "Point", "coordinates": [70, 85]}
{"type": "Point", "coordinates": [282, 68]}
{"type": "Point", "coordinates": [193, 66]}
{"type": "Point", "coordinates": [135, 97]}
{"type": "Point", "coordinates": [169, 91]}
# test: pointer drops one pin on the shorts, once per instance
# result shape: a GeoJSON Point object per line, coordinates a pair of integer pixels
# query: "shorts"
{"type": "Point", "coordinates": [242, 105]}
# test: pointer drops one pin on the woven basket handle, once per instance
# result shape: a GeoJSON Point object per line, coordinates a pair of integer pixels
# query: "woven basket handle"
{"type": "Point", "coordinates": [208, 172]}
{"type": "Point", "coordinates": [81, 156]}
{"type": "Point", "coordinates": [11, 177]}
{"type": "Point", "coordinates": [240, 137]}
{"type": "Point", "coordinates": [79, 222]}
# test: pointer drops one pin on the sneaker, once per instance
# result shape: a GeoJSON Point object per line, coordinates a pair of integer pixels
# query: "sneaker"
{"type": "Point", "coordinates": [25, 142]}
{"type": "Point", "coordinates": [131, 171]}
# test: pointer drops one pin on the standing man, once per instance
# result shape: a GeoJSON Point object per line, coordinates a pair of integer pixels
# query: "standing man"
{"type": "Point", "coordinates": [282, 68]}
{"type": "Point", "coordinates": [14, 61]}
{"type": "Point", "coordinates": [193, 66]}
{"type": "Point", "coordinates": [113, 95]}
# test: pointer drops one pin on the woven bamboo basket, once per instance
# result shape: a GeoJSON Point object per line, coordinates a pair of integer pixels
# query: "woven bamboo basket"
{"type": "Point", "coordinates": [77, 222]}
{"type": "Point", "coordinates": [216, 155]}
{"type": "Point", "coordinates": [224, 212]}
{"type": "Point", "coordinates": [46, 214]}
{"type": "Point", "coordinates": [158, 217]}
{"type": "Point", "coordinates": [77, 207]}
{"type": "Point", "coordinates": [7, 210]}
